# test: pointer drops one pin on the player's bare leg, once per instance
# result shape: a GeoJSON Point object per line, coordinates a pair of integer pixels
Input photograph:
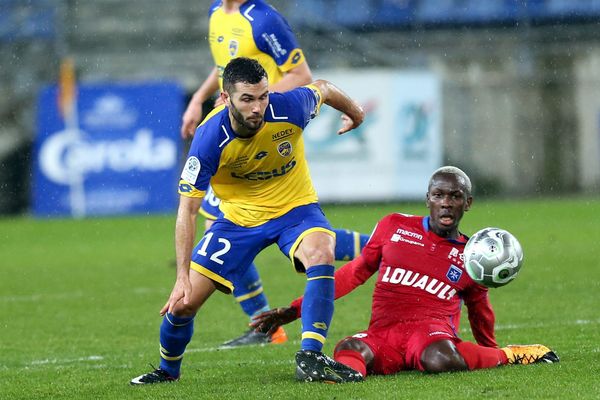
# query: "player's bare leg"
{"type": "Point", "coordinates": [442, 356]}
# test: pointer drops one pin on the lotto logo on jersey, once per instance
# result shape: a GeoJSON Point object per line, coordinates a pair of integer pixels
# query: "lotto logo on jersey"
{"type": "Point", "coordinates": [296, 57]}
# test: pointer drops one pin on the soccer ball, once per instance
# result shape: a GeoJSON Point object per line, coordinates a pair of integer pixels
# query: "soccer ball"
{"type": "Point", "coordinates": [493, 257]}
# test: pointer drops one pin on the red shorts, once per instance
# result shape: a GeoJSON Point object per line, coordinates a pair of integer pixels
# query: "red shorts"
{"type": "Point", "coordinates": [398, 347]}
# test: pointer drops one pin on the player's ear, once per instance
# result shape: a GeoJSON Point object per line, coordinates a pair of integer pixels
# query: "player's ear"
{"type": "Point", "coordinates": [427, 200]}
{"type": "Point", "coordinates": [469, 202]}
{"type": "Point", "coordinates": [225, 98]}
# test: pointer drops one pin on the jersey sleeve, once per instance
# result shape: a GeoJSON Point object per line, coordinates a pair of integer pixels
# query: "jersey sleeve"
{"type": "Point", "coordinates": [481, 315]}
{"type": "Point", "coordinates": [273, 36]}
{"type": "Point", "coordinates": [200, 166]}
{"type": "Point", "coordinates": [303, 104]}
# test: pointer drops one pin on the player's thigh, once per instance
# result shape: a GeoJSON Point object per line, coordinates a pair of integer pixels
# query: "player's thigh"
{"type": "Point", "coordinates": [306, 236]}
{"type": "Point", "coordinates": [225, 251]}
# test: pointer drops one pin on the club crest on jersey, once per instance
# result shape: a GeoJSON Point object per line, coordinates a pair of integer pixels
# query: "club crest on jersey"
{"type": "Point", "coordinates": [191, 170]}
{"type": "Point", "coordinates": [284, 148]}
{"type": "Point", "coordinates": [454, 273]}
{"type": "Point", "coordinates": [233, 47]}
{"type": "Point", "coordinates": [260, 155]}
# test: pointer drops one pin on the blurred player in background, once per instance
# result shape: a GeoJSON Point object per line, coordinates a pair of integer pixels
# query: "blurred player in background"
{"type": "Point", "coordinates": [256, 30]}
{"type": "Point", "coordinates": [417, 299]}
{"type": "Point", "coordinates": [251, 150]}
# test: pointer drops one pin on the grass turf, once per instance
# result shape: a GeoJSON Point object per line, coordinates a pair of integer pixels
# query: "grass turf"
{"type": "Point", "coordinates": [79, 303]}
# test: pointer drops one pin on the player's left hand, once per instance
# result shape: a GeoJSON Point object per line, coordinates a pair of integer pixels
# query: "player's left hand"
{"type": "Point", "coordinates": [269, 321]}
{"type": "Point", "coordinates": [349, 123]}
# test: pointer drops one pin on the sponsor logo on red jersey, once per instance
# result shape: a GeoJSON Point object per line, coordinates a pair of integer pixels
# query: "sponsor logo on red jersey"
{"type": "Point", "coordinates": [404, 277]}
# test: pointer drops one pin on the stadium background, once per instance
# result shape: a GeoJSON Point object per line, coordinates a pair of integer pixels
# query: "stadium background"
{"type": "Point", "coordinates": [520, 112]}
{"type": "Point", "coordinates": [518, 79]}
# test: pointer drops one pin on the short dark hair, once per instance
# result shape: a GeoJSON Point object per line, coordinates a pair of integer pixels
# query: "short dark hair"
{"type": "Point", "coordinates": [242, 69]}
{"type": "Point", "coordinates": [462, 178]}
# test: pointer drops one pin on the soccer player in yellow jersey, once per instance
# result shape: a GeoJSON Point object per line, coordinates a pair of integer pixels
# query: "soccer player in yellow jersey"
{"type": "Point", "coordinates": [251, 150]}
{"type": "Point", "coordinates": [254, 29]}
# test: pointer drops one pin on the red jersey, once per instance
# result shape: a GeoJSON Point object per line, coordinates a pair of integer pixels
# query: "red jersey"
{"type": "Point", "coordinates": [420, 275]}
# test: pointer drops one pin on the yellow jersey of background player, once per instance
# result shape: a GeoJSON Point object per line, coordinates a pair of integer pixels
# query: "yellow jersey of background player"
{"type": "Point", "coordinates": [256, 31]}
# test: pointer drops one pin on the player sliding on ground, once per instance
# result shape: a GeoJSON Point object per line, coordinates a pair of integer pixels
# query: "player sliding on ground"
{"type": "Point", "coordinates": [252, 153]}
{"type": "Point", "coordinates": [421, 284]}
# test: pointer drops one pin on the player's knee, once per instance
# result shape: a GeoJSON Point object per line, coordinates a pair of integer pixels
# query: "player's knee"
{"type": "Point", "coordinates": [442, 357]}
{"type": "Point", "coordinates": [319, 255]}
{"type": "Point", "coordinates": [350, 343]}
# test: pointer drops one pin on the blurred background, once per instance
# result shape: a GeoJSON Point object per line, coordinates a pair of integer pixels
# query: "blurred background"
{"type": "Point", "coordinates": [508, 90]}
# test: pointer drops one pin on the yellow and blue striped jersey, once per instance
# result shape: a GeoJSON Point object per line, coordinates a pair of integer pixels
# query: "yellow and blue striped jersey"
{"type": "Point", "coordinates": [257, 31]}
{"type": "Point", "coordinates": [257, 178]}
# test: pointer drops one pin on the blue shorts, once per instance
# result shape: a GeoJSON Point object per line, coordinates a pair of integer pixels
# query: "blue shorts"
{"type": "Point", "coordinates": [227, 249]}
{"type": "Point", "coordinates": [210, 205]}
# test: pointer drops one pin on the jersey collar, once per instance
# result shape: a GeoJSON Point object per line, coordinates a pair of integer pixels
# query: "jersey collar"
{"type": "Point", "coordinates": [462, 239]}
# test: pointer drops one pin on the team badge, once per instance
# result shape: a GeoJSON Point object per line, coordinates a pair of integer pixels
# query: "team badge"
{"type": "Point", "coordinates": [261, 155]}
{"type": "Point", "coordinates": [454, 273]}
{"type": "Point", "coordinates": [285, 148]}
{"type": "Point", "coordinates": [191, 170]}
{"type": "Point", "coordinates": [233, 47]}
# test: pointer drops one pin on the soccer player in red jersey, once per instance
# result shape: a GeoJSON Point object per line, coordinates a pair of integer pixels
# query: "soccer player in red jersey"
{"type": "Point", "coordinates": [421, 285]}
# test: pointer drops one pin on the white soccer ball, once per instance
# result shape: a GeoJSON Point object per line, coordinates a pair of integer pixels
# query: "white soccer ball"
{"type": "Point", "coordinates": [493, 257]}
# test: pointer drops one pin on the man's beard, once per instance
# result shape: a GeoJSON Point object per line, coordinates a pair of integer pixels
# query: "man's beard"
{"type": "Point", "coordinates": [253, 127]}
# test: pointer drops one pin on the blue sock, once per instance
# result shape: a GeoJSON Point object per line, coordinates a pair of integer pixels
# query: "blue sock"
{"type": "Point", "coordinates": [248, 291]}
{"type": "Point", "coordinates": [348, 244]}
{"type": "Point", "coordinates": [175, 334]}
{"type": "Point", "coordinates": [317, 306]}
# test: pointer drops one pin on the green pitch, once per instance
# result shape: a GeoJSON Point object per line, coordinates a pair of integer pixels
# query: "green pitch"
{"type": "Point", "coordinates": [79, 305]}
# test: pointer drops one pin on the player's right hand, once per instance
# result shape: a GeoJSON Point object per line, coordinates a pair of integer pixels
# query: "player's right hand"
{"type": "Point", "coordinates": [269, 321]}
{"type": "Point", "coordinates": [190, 120]}
{"type": "Point", "coordinates": [181, 290]}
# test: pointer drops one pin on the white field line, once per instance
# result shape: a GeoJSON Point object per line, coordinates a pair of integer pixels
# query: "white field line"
{"type": "Point", "coordinates": [65, 296]}
{"type": "Point", "coordinates": [58, 362]}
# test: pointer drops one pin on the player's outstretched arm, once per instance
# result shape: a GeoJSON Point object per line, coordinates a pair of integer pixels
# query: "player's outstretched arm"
{"type": "Point", "coordinates": [185, 232]}
{"type": "Point", "coordinates": [336, 98]}
{"type": "Point", "coordinates": [193, 114]}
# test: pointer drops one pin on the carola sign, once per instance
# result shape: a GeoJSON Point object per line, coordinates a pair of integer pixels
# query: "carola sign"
{"type": "Point", "coordinates": [119, 156]}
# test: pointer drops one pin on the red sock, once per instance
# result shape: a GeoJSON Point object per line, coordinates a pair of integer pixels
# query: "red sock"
{"type": "Point", "coordinates": [478, 357]}
{"type": "Point", "coordinates": [352, 359]}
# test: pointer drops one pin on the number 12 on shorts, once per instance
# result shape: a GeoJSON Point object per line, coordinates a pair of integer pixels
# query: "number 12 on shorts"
{"type": "Point", "coordinates": [215, 256]}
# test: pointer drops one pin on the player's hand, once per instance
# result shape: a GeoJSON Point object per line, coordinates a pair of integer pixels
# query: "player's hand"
{"type": "Point", "coordinates": [181, 290]}
{"type": "Point", "coordinates": [269, 321]}
{"type": "Point", "coordinates": [191, 119]}
{"type": "Point", "coordinates": [349, 123]}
